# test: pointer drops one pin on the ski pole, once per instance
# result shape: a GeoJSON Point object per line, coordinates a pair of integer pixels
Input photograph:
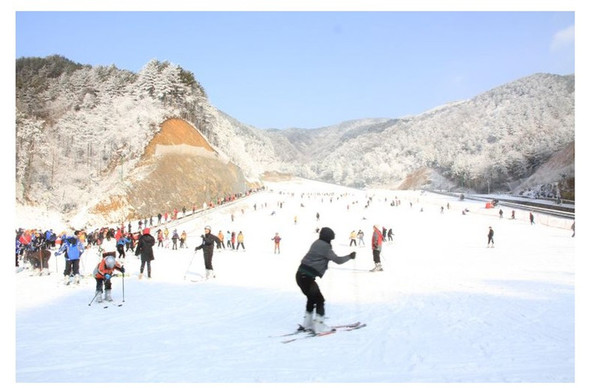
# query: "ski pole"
{"type": "Point", "coordinates": [95, 295]}
{"type": "Point", "coordinates": [189, 266]}
{"type": "Point", "coordinates": [123, 285]}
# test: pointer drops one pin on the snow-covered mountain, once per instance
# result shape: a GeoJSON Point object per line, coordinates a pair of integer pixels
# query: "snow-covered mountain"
{"type": "Point", "coordinates": [493, 140]}
{"type": "Point", "coordinates": [97, 141]}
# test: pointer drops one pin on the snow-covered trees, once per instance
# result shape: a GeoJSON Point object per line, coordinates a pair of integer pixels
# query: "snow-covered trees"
{"type": "Point", "coordinates": [93, 122]}
{"type": "Point", "coordinates": [166, 82]}
{"type": "Point", "coordinates": [480, 144]}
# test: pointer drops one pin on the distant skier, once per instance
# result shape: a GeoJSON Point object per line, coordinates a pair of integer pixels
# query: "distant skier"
{"type": "Point", "coordinates": [376, 245]}
{"type": "Point", "coordinates": [240, 241]}
{"type": "Point", "coordinates": [361, 237]}
{"type": "Point", "coordinates": [531, 218]}
{"type": "Point", "coordinates": [353, 238]}
{"type": "Point", "coordinates": [490, 238]}
{"type": "Point", "coordinates": [314, 264]}
{"type": "Point", "coordinates": [573, 229]}
{"type": "Point", "coordinates": [145, 252]}
{"type": "Point", "coordinates": [277, 240]}
{"type": "Point", "coordinates": [390, 235]}
{"type": "Point", "coordinates": [175, 238]}
{"type": "Point", "coordinates": [208, 243]}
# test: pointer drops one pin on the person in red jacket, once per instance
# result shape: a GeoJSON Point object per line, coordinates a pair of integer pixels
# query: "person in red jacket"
{"type": "Point", "coordinates": [103, 273]}
{"type": "Point", "coordinates": [376, 243]}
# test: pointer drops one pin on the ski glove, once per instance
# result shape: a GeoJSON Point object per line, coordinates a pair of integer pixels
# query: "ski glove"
{"type": "Point", "coordinates": [122, 269]}
{"type": "Point", "coordinates": [352, 255]}
{"type": "Point", "coordinates": [106, 277]}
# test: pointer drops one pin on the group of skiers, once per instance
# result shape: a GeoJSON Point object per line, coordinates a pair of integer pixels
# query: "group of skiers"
{"type": "Point", "coordinates": [387, 235]}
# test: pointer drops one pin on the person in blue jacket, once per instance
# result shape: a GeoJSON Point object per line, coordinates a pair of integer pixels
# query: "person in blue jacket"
{"type": "Point", "coordinates": [123, 240]}
{"type": "Point", "coordinates": [72, 248]}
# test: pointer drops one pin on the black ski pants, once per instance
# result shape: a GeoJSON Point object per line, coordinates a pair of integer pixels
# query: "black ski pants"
{"type": "Point", "coordinates": [146, 263]}
{"type": "Point", "coordinates": [208, 255]}
{"type": "Point", "coordinates": [101, 282]}
{"type": "Point", "coordinates": [71, 267]}
{"type": "Point", "coordinates": [376, 256]}
{"type": "Point", "coordinates": [310, 288]}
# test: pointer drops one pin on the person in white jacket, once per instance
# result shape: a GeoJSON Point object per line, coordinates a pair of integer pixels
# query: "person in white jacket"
{"type": "Point", "coordinates": [108, 246]}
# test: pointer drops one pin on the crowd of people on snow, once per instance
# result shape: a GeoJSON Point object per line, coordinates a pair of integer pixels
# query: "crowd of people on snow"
{"type": "Point", "coordinates": [114, 242]}
{"type": "Point", "coordinates": [125, 237]}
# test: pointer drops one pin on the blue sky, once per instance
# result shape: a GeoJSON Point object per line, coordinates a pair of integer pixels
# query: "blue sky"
{"type": "Point", "coordinates": [313, 69]}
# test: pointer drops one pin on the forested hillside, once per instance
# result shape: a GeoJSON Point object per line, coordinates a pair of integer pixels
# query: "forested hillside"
{"type": "Point", "coordinates": [82, 132]}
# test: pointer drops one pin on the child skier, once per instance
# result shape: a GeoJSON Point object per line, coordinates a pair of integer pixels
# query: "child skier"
{"type": "Point", "coordinates": [315, 264]}
{"type": "Point", "coordinates": [103, 273]}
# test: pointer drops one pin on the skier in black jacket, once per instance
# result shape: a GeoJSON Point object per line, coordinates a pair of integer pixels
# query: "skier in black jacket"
{"type": "Point", "coordinates": [315, 264]}
{"type": "Point", "coordinates": [208, 243]}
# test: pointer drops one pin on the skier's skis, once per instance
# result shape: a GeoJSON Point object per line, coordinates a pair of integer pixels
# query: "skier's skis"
{"type": "Point", "coordinates": [107, 304]}
{"type": "Point", "coordinates": [335, 329]}
{"type": "Point", "coordinates": [301, 329]}
{"type": "Point", "coordinates": [351, 325]}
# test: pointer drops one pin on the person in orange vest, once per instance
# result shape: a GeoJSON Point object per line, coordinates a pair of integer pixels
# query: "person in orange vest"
{"type": "Point", "coordinates": [103, 274]}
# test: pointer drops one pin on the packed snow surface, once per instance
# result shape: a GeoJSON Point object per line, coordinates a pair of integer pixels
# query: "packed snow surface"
{"type": "Point", "coordinates": [446, 308]}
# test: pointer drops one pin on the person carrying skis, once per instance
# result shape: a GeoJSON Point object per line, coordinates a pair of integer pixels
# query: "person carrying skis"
{"type": "Point", "coordinates": [314, 264]}
{"type": "Point", "coordinates": [145, 252]}
{"type": "Point", "coordinates": [103, 274]}
{"type": "Point", "coordinates": [208, 244]}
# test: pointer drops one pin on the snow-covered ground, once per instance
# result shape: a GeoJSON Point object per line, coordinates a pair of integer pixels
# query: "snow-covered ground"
{"type": "Point", "coordinates": [445, 309]}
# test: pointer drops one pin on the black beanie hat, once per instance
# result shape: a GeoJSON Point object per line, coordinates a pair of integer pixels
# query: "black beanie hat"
{"type": "Point", "coordinates": [326, 234]}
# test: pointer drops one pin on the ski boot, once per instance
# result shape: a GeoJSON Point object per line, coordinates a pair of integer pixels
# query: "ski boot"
{"type": "Point", "coordinates": [377, 268]}
{"type": "Point", "coordinates": [107, 296]}
{"type": "Point", "coordinates": [307, 325]}
{"type": "Point", "coordinates": [319, 326]}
